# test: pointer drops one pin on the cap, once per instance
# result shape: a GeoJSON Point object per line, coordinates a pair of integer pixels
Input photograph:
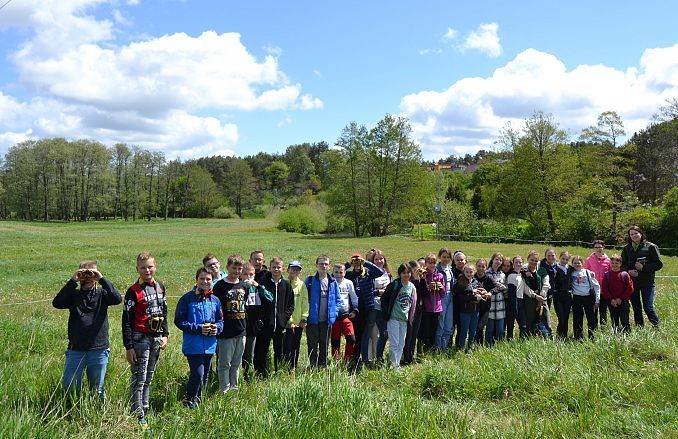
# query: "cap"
{"type": "Point", "coordinates": [295, 263]}
{"type": "Point", "coordinates": [356, 255]}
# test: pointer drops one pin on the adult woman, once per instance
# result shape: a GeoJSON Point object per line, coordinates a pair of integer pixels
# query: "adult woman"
{"type": "Point", "coordinates": [640, 258]}
{"type": "Point", "coordinates": [599, 263]}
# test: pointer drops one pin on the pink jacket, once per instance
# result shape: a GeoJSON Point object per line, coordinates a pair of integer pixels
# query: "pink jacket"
{"type": "Point", "coordinates": [599, 266]}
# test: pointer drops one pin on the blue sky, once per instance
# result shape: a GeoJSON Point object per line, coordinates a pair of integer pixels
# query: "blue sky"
{"type": "Point", "coordinates": [122, 70]}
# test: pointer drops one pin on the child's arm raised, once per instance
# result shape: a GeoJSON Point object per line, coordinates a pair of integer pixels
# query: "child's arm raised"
{"type": "Point", "coordinates": [111, 294]}
{"type": "Point", "coordinates": [372, 270]}
{"type": "Point", "coordinates": [64, 298]}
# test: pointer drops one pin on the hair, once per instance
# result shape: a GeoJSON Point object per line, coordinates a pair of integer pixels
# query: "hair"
{"type": "Point", "coordinates": [255, 252]}
{"type": "Point", "coordinates": [481, 260]}
{"type": "Point", "coordinates": [88, 264]}
{"type": "Point", "coordinates": [444, 250]}
{"type": "Point", "coordinates": [549, 250]}
{"type": "Point", "coordinates": [430, 257]}
{"type": "Point", "coordinates": [413, 264]}
{"type": "Point", "coordinates": [234, 259]}
{"type": "Point", "coordinates": [322, 258]}
{"type": "Point", "coordinates": [337, 266]}
{"type": "Point", "coordinates": [513, 259]}
{"type": "Point", "coordinates": [144, 256]}
{"type": "Point", "coordinates": [276, 259]}
{"type": "Point", "coordinates": [462, 277]}
{"type": "Point", "coordinates": [576, 258]}
{"type": "Point", "coordinates": [202, 270]}
{"type": "Point", "coordinates": [458, 252]}
{"type": "Point", "coordinates": [637, 229]}
{"type": "Point", "coordinates": [247, 266]}
{"type": "Point", "coordinates": [563, 253]}
{"type": "Point", "coordinates": [404, 268]}
{"type": "Point", "coordinates": [598, 241]}
{"type": "Point", "coordinates": [532, 253]}
{"type": "Point", "coordinates": [209, 256]}
{"type": "Point", "coordinates": [374, 252]}
{"type": "Point", "coordinates": [616, 256]}
{"type": "Point", "coordinates": [496, 255]}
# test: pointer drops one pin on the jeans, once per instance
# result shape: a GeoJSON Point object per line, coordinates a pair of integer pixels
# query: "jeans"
{"type": "Point", "coordinates": [382, 338]}
{"type": "Point", "coordinates": [647, 303]}
{"type": "Point", "coordinates": [619, 315]}
{"type": "Point", "coordinates": [411, 338]}
{"type": "Point", "coordinates": [366, 322]}
{"type": "Point", "coordinates": [317, 336]}
{"type": "Point", "coordinates": [511, 314]}
{"type": "Point", "coordinates": [583, 305]}
{"type": "Point", "coordinates": [494, 331]}
{"type": "Point", "coordinates": [229, 360]}
{"type": "Point", "coordinates": [562, 303]}
{"type": "Point", "coordinates": [147, 349]}
{"type": "Point", "coordinates": [445, 322]}
{"type": "Point", "coordinates": [427, 331]}
{"type": "Point", "coordinates": [94, 361]}
{"type": "Point", "coordinates": [468, 325]}
{"type": "Point", "coordinates": [200, 365]}
{"type": "Point", "coordinates": [397, 331]}
{"type": "Point", "coordinates": [292, 346]}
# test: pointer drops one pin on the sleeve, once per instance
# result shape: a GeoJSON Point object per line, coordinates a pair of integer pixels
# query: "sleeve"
{"type": "Point", "coordinates": [165, 326]}
{"type": "Point", "coordinates": [441, 279]}
{"type": "Point", "coordinates": [629, 287]}
{"type": "Point", "coordinates": [64, 299]}
{"type": "Point", "coordinates": [111, 294]}
{"type": "Point", "coordinates": [289, 309]}
{"type": "Point", "coordinates": [546, 285]}
{"type": "Point", "coordinates": [605, 287]}
{"type": "Point", "coordinates": [264, 294]}
{"type": "Point", "coordinates": [128, 318]}
{"type": "Point", "coordinates": [373, 271]}
{"type": "Point", "coordinates": [625, 259]}
{"type": "Point", "coordinates": [466, 294]}
{"type": "Point", "coordinates": [218, 316]}
{"type": "Point", "coordinates": [303, 302]}
{"type": "Point", "coordinates": [387, 297]}
{"type": "Point", "coordinates": [352, 298]}
{"type": "Point", "coordinates": [654, 262]}
{"type": "Point", "coordinates": [595, 285]}
{"type": "Point", "coordinates": [587, 263]}
{"type": "Point", "coordinates": [181, 318]}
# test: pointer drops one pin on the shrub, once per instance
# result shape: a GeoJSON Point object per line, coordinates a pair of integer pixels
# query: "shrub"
{"type": "Point", "coordinates": [302, 219]}
{"type": "Point", "coordinates": [456, 219]}
{"type": "Point", "coordinates": [224, 212]}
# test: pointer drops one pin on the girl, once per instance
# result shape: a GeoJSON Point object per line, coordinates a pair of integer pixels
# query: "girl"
{"type": "Point", "coordinates": [585, 297]}
{"type": "Point", "coordinates": [617, 288]}
{"type": "Point", "coordinates": [495, 284]}
{"type": "Point", "coordinates": [562, 298]}
{"type": "Point", "coordinates": [419, 282]}
{"type": "Point", "coordinates": [399, 304]}
{"type": "Point", "coordinates": [484, 305]}
{"type": "Point", "coordinates": [469, 292]}
{"type": "Point", "coordinates": [599, 263]}
{"type": "Point", "coordinates": [460, 262]}
{"type": "Point", "coordinates": [380, 334]}
{"type": "Point", "coordinates": [535, 291]}
{"type": "Point", "coordinates": [446, 319]}
{"type": "Point", "coordinates": [510, 298]}
{"type": "Point", "coordinates": [549, 264]}
{"type": "Point", "coordinates": [433, 305]}
{"type": "Point", "coordinates": [641, 259]}
{"type": "Point", "coordinates": [199, 317]}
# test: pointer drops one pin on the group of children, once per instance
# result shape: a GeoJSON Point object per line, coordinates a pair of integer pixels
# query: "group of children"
{"type": "Point", "coordinates": [438, 302]}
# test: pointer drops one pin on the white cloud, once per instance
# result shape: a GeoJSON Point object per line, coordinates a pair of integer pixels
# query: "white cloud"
{"type": "Point", "coordinates": [317, 73]}
{"type": "Point", "coordinates": [485, 39]}
{"type": "Point", "coordinates": [132, 2]}
{"type": "Point", "coordinates": [430, 51]}
{"type": "Point", "coordinates": [287, 120]}
{"type": "Point", "coordinates": [450, 34]}
{"type": "Point", "coordinates": [147, 92]}
{"type": "Point", "coordinates": [120, 18]}
{"type": "Point", "coordinates": [468, 115]}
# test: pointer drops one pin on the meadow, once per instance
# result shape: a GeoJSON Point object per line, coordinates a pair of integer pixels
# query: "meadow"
{"type": "Point", "coordinates": [612, 386]}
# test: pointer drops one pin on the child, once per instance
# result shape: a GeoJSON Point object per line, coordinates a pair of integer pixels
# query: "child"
{"type": "Point", "coordinates": [297, 322]}
{"type": "Point", "coordinates": [433, 306]}
{"type": "Point", "coordinates": [562, 297]}
{"type": "Point", "coordinates": [199, 317]}
{"type": "Point", "coordinates": [255, 312]}
{"type": "Point", "coordinates": [599, 263]}
{"type": "Point", "coordinates": [144, 331]}
{"type": "Point", "coordinates": [459, 259]}
{"type": "Point", "coordinates": [212, 264]}
{"type": "Point", "coordinates": [417, 279]}
{"type": "Point", "coordinates": [348, 310]}
{"type": "Point", "coordinates": [536, 285]}
{"type": "Point", "coordinates": [548, 263]}
{"type": "Point", "coordinates": [485, 303]}
{"type": "Point", "coordinates": [379, 336]}
{"type": "Point", "coordinates": [87, 326]}
{"type": "Point", "coordinates": [256, 297]}
{"type": "Point", "coordinates": [617, 288]}
{"type": "Point", "coordinates": [510, 298]}
{"type": "Point", "coordinates": [399, 303]}
{"type": "Point", "coordinates": [495, 283]}
{"type": "Point", "coordinates": [446, 318]}
{"type": "Point", "coordinates": [277, 314]}
{"type": "Point", "coordinates": [585, 297]}
{"type": "Point", "coordinates": [323, 305]}
{"type": "Point", "coordinates": [469, 292]}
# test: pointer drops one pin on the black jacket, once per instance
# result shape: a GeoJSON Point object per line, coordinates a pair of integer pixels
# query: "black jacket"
{"type": "Point", "coordinates": [652, 262]}
{"type": "Point", "coordinates": [88, 313]}
{"type": "Point", "coordinates": [468, 303]}
{"type": "Point", "coordinates": [279, 312]}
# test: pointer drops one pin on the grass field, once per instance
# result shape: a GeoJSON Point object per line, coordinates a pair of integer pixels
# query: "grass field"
{"type": "Point", "coordinates": [610, 387]}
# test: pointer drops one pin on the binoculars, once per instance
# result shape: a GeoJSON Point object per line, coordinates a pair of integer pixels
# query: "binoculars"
{"type": "Point", "coordinates": [155, 323]}
{"type": "Point", "coordinates": [87, 274]}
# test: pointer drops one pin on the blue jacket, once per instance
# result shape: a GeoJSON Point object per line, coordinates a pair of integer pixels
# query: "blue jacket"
{"type": "Point", "coordinates": [333, 299]}
{"type": "Point", "coordinates": [193, 310]}
{"type": "Point", "coordinates": [364, 283]}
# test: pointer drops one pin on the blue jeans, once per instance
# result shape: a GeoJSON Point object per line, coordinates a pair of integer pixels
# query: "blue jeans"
{"type": "Point", "coordinates": [445, 322]}
{"type": "Point", "coordinates": [494, 331]}
{"type": "Point", "coordinates": [383, 337]}
{"type": "Point", "coordinates": [647, 304]}
{"type": "Point", "coordinates": [94, 361]}
{"type": "Point", "coordinates": [369, 322]}
{"type": "Point", "coordinates": [468, 322]}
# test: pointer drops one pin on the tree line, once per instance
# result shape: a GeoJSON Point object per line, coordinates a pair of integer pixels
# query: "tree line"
{"type": "Point", "coordinates": [536, 183]}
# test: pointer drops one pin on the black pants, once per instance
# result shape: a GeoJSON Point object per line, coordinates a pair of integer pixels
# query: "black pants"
{"type": "Point", "coordinates": [619, 315]}
{"type": "Point", "coordinates": [292, 346]}
{"type": "Point", "coordinates": [364, 324]}
{"type": "Point", "coordinates": [601, 312]}
{"type": "Point", "coordinates": [511, 314]}
{"type": "Point", "coordinates": [317, 336]}
{"type": "Point", "coordinates": [482, 322]}
{"type": "Point", "coordinates": [411, 337]}
{"type": "Point", "coordinates": [562, 302]}
{"type": "Point", "coordinates": [583, 305]}
{"type": "Point", "coordinates": [427, 330]}
{"type": "Point", "coordinates": [261, 348]}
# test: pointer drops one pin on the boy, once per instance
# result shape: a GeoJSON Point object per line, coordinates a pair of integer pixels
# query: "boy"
{"type": "Point", "coordinates": [617, 288]}
{"type": "Point", "coordinates": [144, 331]}
{"type": "Point", "coordinates": [297, 323]}
{"type": "Point", "coordinates": [446, 318]}
{"type": "Point", "coordinates": [257, 260]}
{"type": "Point", "coordinates": [212, 264]}
{"type": "Point", "coordinates": [255, 311]}
{"type": "Point", "coordinates": [345, 315]}
{"type": "Point", "coordinates": [323, 304]}
{"type": "Point", "coordinates": [87, 326]}
{"type": "Point", "coordinates": [276, 316]}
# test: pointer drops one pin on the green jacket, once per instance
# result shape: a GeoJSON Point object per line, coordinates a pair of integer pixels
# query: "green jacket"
{"type": "Point", "coordinates": [300, 313]}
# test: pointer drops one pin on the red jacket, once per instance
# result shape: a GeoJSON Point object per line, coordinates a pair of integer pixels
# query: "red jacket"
{"type": "Point", "coordinates": [616, 285]}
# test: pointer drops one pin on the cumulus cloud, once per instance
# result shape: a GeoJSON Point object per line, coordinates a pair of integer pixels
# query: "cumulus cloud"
{"type": "Point", "coordinates": [147, 92]}
{"type": "Point", "coordinates": [484, 39]}
{"type": "Point", "coordinates": [467, 116]}
{"type": "Point", "coordinates": [450, 34]}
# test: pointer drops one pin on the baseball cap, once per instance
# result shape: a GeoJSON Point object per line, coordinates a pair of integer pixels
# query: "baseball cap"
{"type": "Point", "coordinates": [295, 263]}
{"type": "Point", "coordinates": [356, 255]}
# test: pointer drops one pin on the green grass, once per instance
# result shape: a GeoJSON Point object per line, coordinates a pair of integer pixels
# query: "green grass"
{"type": "Point", "coordinates": [609, 387]}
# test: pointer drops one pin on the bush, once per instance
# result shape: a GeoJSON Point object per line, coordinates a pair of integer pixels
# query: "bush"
{"type": "Point", "coordinates": [224, 212]}
{"type": "Point", "coordinates": [647, 218]}
{"type": "Point", "coordinates": [456, 219]}
{"type": "Point", "coordinates": [302, 219]}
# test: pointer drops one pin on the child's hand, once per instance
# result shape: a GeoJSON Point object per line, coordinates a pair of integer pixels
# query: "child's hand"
{"type": "Point", "coordinates": [351, 315]}
{"type": "Point", "coordinates": [302, 325]}
{"type": "Point", "coordinates": [633, 273]}
{"type": "Point", "coordinates": [213, 332]}
{"type": "Point", "coordinates": [76, 275]}
{"type": "Point", "coordinates": [595, 306]}
{"type": "Point", "coordinates": [97, 275]}
{"type": "Point", "coordinates": [131, 356]}
{"type": "Point", "coordinates": [206, 329]}
{"type": "Point", "coordinates": [163, 342]}
{"type": "Point", "coordinates": [638, 266]}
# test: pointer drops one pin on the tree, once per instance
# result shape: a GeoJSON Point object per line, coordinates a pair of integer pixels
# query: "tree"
{"type": "Point", "coordinates": [202, 193]}
{"type": "Point", "coordinates": [608, 129]}
{"type": "Point", "coordinates": [276, 175]}
{"type": "Point", "coordinates": [656, 158]}
{"type": "Point", "coordinates": [239, 186]}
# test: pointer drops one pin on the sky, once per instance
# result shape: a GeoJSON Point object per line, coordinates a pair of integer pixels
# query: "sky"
{"type": "Point", "coordinates": [201, 78]}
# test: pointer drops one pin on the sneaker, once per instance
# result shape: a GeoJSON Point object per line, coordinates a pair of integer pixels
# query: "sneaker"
{"type": "Point", "coordinates": [143, 423]}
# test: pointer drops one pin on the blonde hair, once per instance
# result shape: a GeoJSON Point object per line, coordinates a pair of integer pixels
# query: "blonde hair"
{"type": "Point", "coordinates": [145, 256]}
{"type": "Point", "coordinates": [88, 264]}
{"type": "Point", "coordinates": [576, 258]}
